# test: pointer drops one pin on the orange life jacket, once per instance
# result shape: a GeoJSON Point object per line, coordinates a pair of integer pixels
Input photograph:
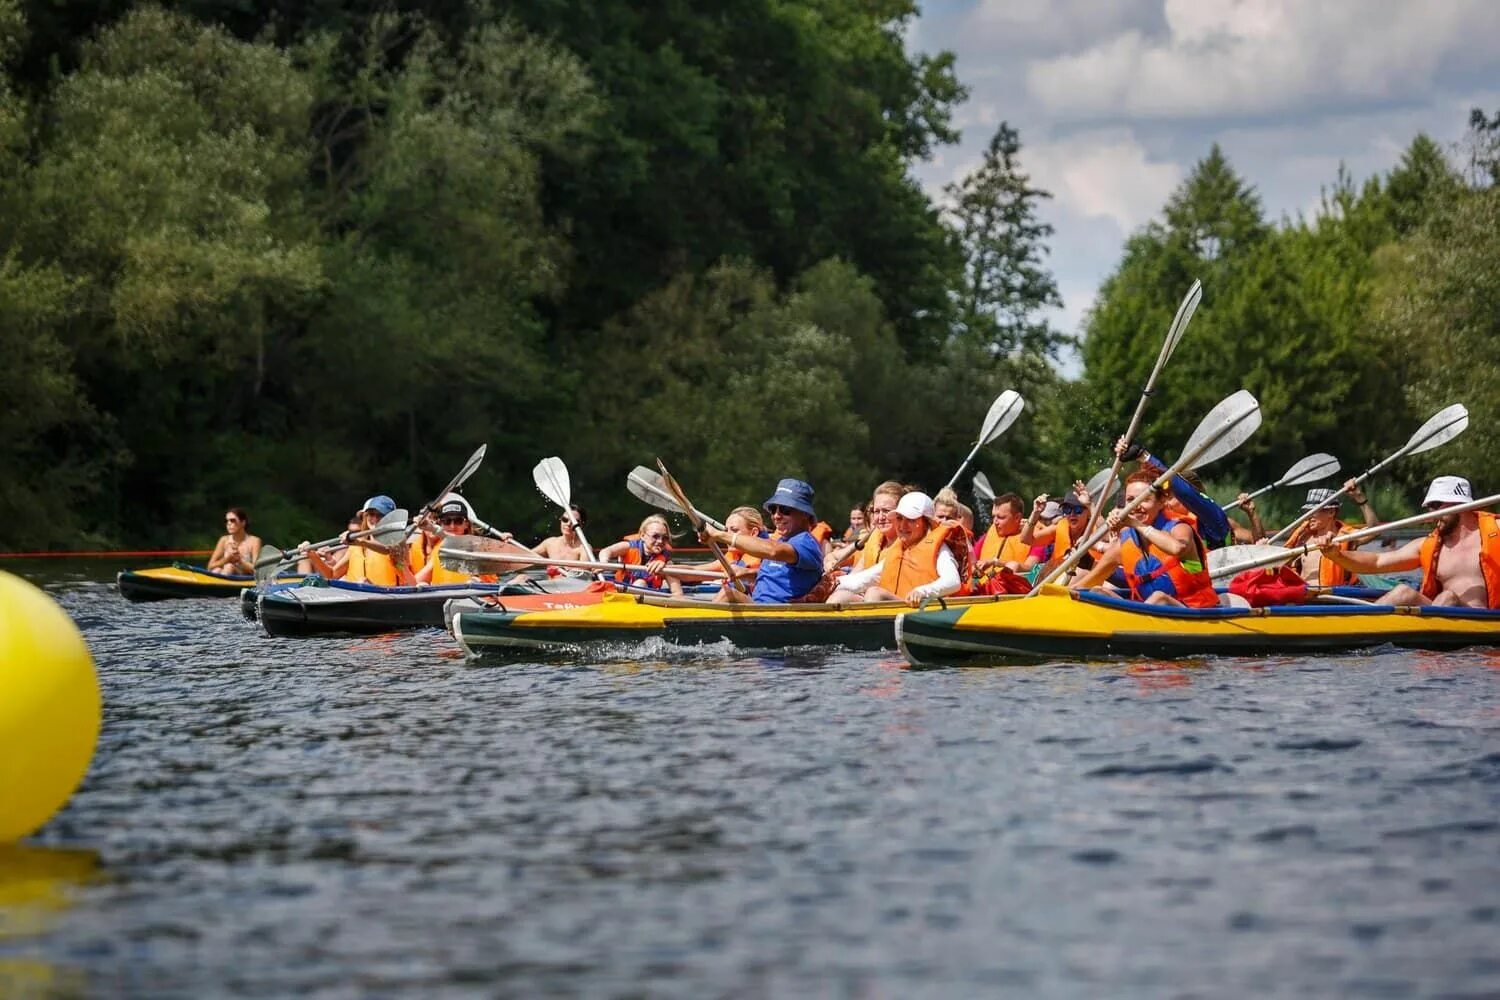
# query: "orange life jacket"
{"type": "Point", "coordinates": [905, 568]}
{"type": "Point", "coordinates": [1061, 543]}
{"type": "Point", "coordinates": [870, 555]}
{"type": "Point", "coordinates": [369, 566]}
{"type": "Point", "coordinates": [1192, 587]}
{"type": "Point", "coordinates": [635, 555]}
{"type": "Point", "coordinates": [441, 575]}
{"type": "Point", "coordinates": [1330, 573]}
{"type": "Point", "coordinates": [822, 531]}
{"type": "Point", "coordinates": [1007, 549]}
{"type": "Point", "coordinates": [1489, 559]}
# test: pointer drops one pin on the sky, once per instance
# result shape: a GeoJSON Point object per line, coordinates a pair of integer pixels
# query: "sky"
{"type": "Point", "coordinates": [1116, 100]}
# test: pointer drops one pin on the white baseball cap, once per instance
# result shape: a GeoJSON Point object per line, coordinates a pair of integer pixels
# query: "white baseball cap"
{"type": "Point", "coordinates": [916, 504]}
{"type": "Point", "coordinates": [1448, 489]}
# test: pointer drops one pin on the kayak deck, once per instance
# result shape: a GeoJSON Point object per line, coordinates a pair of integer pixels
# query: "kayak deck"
{"type": "Point", "coordinates": [1079, 625]}
{"type": "Point", "coordinates": [632, 619]}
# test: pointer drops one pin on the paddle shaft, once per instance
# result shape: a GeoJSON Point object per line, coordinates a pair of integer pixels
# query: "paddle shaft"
{"type": "Point", "coordinates": [1360, 535]}
{"type": "Point", "coordinates": [469, 468]}
{"type": "Point", "coordinates": [1260, 492]}
{"type": "Point", "coordinates": [1092, 538]}
{"type": "Point", "coordinates": [692, 514]}
{"type": "Point", "coordinates": [588, 564]}
{"type": "Point", "coordinates": [1340, 494]}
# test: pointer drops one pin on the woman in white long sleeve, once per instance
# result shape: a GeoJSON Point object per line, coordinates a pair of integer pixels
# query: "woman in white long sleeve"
{"type": "Point", "coordinates": [927, 560]}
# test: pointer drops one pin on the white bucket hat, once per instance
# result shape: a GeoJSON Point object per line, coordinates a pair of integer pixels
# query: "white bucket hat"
{"type": "Point", "coordinates": [916, 504]}
{"type": "Point", "coordinates": [1448, 489]}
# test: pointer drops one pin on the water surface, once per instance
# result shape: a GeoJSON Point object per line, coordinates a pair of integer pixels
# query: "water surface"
{"type": "Point", "coordinates": [376, 816]}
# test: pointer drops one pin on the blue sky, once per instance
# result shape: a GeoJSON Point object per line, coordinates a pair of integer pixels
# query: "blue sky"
{"type": "Point", "coordinates": [1115, 100]}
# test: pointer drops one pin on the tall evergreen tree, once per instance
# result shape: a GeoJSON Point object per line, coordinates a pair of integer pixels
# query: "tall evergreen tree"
{"type": "Point", "coordinates": [1006, 285]}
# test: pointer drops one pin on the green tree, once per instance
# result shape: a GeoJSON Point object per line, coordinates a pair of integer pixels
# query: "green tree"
{"type": "Point", "coordinates": [1006, 285]}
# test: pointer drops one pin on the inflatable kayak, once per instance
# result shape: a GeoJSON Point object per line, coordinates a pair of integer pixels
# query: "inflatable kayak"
{"type": "Point", "coordinates": [632, 618]}
{"type": "Point", "coordinates": [164, 583]}
{"type": "Point", "coordinates": [1063, 624]}
{"type": "Point", "coordinates": [328, 607]}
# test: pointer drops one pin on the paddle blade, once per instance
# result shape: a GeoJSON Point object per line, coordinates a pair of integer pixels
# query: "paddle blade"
{"type": "Point", "coordinates": [1310, 470]}
{"type": "Point", "coordinates": [1232, 559]}
{"type": "Point", "coordinates": [1226, 427]}
{"type": "Point", "coordinates": [470, 467]}
{"type": "Point", "coordinates": [647, 485]}
{"type": "Point", "coordinates": [1003, 412]}
{"type": "Point", "coordinates": [391, 529]}
{"type": "Point", "coordinates": [1445, 425]}
{"type": "Point", "coordinates": [470, 554]}
{"type": "Point", "coordinates": [1185, 310]}
{"type": "Point", "coordinates": [983, 491]}
{"type": "Point", "coordinates": [268, 563]}
{"type": "Point", "coordinates": [1095, 486]}
{"type": "Point", "coordinates": [551, 477]}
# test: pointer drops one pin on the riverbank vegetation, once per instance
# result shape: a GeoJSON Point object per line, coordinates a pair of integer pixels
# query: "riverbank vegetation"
{"type": "Point", "coordinates": [287, 256]}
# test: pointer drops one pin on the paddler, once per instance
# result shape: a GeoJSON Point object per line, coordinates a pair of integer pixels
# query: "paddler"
{"type": "Point", "coordinates": [791, 561]}
{"type": "Point", "coordinates": [1323, 522]}
{"type": "Point", "coordinates": [1186, 498]}
{"type": "Point", "coordinates": [366, 561]}
{"type": "Point", "coordinates": [567, 545]}
{"type": "Point", "coordinates": [1459, 560]}
{"type": "Point", "coordinates": [858, 523]}
{"type": "Point", "coordinates": [454, 516]}
{"type": "Point", "coordinates": [866, 550]}
{"type": "Point", "coordinates": [1057, 539]}
{"type": "Point", "coordinates": [649, 548]}
{"type": "Point", "coordinates": [1000, 548]}
{"type": "Point", "coordinates": [928, 559]}
{"type": "Point", "coordinates": [1164, 559]}
{"type": "Point", "coordinates": [236, 551]}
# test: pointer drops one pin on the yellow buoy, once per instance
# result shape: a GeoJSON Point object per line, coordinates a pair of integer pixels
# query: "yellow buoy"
{"type": "Point", "coordinates": [49, 708]}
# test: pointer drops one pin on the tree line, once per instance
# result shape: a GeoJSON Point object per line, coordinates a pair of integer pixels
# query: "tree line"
{"type": "Point", "coordinates": [286, 256]}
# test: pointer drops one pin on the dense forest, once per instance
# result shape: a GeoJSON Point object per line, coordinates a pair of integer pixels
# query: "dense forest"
{"type": "Point", "coordinates": [288, 255]}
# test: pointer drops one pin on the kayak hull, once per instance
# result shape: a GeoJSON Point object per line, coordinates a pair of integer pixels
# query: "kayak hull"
{"type": "Point", "coordinates": [1062, 624]}
{"type": "Point", "coordinates": [630, 619]}
{"type": "Point", "coordinates": [166, 583]}
{"type": "Point", "coordinates": [338, 608]}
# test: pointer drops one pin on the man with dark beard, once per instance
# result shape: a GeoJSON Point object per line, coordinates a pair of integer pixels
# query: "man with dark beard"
{"type": "Point", "coordinates": [1460, 560]}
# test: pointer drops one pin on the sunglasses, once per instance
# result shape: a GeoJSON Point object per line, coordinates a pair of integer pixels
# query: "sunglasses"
{"type": "Point", "coordinates": [776, 508]}
{"type": "Point", "coordinates": [453, 520]}
{"type": "Point", "coordinates": [231, 520]}
{"type": "Point", "coordinates": [1068, 508]}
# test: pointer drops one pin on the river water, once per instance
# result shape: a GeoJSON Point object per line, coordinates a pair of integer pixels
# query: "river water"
{"type": "Point", "coordinates": [378, 817]}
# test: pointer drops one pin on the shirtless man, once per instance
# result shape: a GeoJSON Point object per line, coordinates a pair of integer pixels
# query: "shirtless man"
{"type": "Point", "coordinates": [235, 553]}
{"type": "Point", "coordinates": [1462, 551]}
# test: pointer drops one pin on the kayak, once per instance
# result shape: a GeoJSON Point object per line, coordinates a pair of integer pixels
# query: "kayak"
{"type": "Point", "coordinates": [1060, 623]}
{"type": "Point", "coordinates": [164, 583]}
{"type": "Point", "coordinates": [631, 618]}
{"type": "Point", "coordinates": [329, 607]}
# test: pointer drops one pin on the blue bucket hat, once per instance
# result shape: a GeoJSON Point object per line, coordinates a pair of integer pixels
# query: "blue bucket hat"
{"type": "Point", "coordinates": [793, 493]}
{"type": "Point", "coordinates": [381, 504]}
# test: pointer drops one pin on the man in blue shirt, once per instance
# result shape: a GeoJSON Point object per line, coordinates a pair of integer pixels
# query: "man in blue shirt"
{"type": "Point", "coordinates": [791, 559]}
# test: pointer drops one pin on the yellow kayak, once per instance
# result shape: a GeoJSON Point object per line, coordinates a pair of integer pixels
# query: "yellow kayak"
{"type": "Point", "coordinates": [1062, 624]}
{"type": "Point", "coordinates": [163, 583]}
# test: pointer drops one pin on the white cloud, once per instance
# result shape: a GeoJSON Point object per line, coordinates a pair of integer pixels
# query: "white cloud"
{"type": "Point", "coordinates": [1262, 57]}
{"type": "Point", "coordinates": [1103, 174]}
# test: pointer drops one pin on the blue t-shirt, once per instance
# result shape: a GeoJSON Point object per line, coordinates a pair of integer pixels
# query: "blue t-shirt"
{"type": "Point", "coordinates": [779, 582]}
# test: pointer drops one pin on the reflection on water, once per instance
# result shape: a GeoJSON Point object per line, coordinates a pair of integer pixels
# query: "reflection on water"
{"type": "Point", "coordinates": [377, 817]}
{"type": "Point", "coordinates": [37, 884]}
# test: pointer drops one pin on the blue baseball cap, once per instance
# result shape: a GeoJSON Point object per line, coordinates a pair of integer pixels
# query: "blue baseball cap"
{"type": "Point", "coordinates": [381, 504]}
{"type": "Point", "coordinates": [793, 493]}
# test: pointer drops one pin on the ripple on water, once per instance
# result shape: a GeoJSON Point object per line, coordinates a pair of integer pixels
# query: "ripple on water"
{"type": "Point", "coordinates": [377, 815]}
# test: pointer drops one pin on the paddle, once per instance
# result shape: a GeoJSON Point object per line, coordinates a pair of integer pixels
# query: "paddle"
{"type": "Point", "coordinates": [1096, 485]}
{"type": "Point", "coordinates": [464, 473]}
{"type": "Point", "coordinates": [468, 554]}
{"type": "Point", "coordinates": [388, 531]}
{"type": "Point", "coordinates": [1235, 559]}
{"type": "Point", "coordinates": [1309, 470]}
{"type": "Point", "coordinates": [1442, 427]}
{"type": "Point", "coordinates": [551, 477]}
{"type": "Point", "coordinates": [1003, 412]}
{"type": "Point", "coordinates": [1185, 311]}
{"type": "Point", "coordinates": [646, 484]}
{"type": "Point", "coordinates": [698, 520]}
{"type": "Point", "coordinates": [983, 491]}
{"type": "Point", "coordinates": [1226, 427]}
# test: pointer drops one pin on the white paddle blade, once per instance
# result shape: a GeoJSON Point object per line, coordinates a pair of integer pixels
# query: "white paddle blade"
{"type": "Point", "coordinates": [391, 529]}
{"type": "Point", "coordinates": [1095, 486]}
{"type": "Point", "coordinates": [982, 488]}
{"type": "Point", "coordinates": [646, 484]}
{"type": "Point", "coordinates": [1232, 559]}
{"type": "Point", "coordinates": [470, 467]}
{"type": "Point", "coordinates": [1310, 470]}
{"type": "Point", "coordinates": [268, 563]}
{"type": "Point", "coordinates": [1226, 427]}
{"type": "Point", "coordinates": [1445, 425]}
{"type": "Point", "coordinates": [1185, 312]}
{"type": "Point", "coordinates": [1003, 412]}
{"type": "Point", "coordinates": [551, 478]}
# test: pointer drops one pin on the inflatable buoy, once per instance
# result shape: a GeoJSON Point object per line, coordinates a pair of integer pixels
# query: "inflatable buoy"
{"type": "Point", "coordinates": [49, 708]}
